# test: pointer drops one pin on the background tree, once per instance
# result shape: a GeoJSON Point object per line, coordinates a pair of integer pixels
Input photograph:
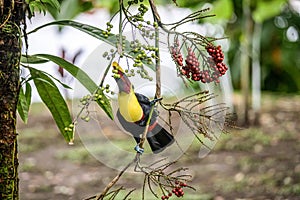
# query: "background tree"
{"type": "Point", "coordinates": [267, 36]}
{"type": "Point", "coordinates": [12, 16]}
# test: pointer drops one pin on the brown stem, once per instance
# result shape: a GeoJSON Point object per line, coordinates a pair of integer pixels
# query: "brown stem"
{"type": "Point", "coordinates": [114, 181]}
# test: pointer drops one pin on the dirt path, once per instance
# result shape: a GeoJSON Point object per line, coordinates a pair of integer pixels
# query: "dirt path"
{"type": "Point", "coordinates": [256, 163]}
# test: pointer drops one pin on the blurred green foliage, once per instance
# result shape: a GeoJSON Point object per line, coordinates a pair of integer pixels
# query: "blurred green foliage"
{"type": "Point", "coordinates": [280, 61]}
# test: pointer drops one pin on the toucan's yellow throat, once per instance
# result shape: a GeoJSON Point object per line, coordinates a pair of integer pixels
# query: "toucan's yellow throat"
{"type": "Point", "coordinates": [129, 106]}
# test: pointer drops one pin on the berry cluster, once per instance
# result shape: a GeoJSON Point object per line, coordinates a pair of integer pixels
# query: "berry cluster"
{"type": "Point", "coordinates": [191, 68]}
{"type": "Point", "coordinates": [176, 55]}
{"type": "Point", "coordinates": [177, 190]}
{"type": "Point", "coordinates": [107, 32]}
{"type": "Point", "coordinates": [217, 65]}
{"type": "Point", "coordinates": [70, 128]}
{"type": "Point", "coordinates": [139, 17]}
{"type": "Point", "coordinates": [216, 53]}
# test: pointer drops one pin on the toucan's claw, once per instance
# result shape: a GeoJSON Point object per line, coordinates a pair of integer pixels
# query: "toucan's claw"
{"type": "Point", "coordinates": [139, 149]}
{"type": "Point", "coordinates": [155, 100]}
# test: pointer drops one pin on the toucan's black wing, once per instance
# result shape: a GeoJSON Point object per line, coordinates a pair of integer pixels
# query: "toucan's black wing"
{"type": "Point", "coordinates": [134, 129]}
{"type": "Point", "coordinates": [158, 138]}
{"type": "Point", "coordinates": [146, 106]}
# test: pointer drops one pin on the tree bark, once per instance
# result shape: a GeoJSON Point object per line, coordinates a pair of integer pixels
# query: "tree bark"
{"type": "Point", "coordinates": [245, 60]}
{"type": "Point", "coordinates": [11, 17]}
{"type": "Point", "coordinates": [256, 72]}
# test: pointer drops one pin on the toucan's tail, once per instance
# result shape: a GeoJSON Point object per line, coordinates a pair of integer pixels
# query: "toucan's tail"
{"type": "Point", "coordinates": [159, 138]}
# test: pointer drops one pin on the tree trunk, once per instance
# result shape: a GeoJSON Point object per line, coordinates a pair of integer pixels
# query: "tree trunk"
{"type": "Point", "coordinates": [11, 16]}
{"type": "Point", "coordinates": [256, 72]}
{"type": "Point", "coordinates": [245, 60]}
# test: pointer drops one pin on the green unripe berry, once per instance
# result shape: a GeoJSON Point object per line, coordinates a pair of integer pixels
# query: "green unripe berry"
{"type": "Point", "coordinates": [105, 54]}
{"type": "Point", "coordinates": [116, 76]}
{"type": "Point", "coordinates": [87, 118]}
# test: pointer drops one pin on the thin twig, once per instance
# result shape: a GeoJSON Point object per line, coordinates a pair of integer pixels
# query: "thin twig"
{"type": "Point", "coordinates": [115, 180]}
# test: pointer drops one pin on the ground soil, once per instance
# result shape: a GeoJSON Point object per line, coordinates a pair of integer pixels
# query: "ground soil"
{"type": "Point", "coordinates": [264, 165]}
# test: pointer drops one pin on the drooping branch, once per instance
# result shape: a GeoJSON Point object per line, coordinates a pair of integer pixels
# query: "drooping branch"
{"type": "Point", "coordinates": [200, 119]}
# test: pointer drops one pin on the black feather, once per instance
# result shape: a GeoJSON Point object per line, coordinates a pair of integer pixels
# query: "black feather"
{"type": "Point", "coordinates": [158, 138]}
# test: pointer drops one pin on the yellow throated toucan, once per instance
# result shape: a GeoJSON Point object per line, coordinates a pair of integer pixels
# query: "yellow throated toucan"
{"type": "Point", "coordinates": [133, 114]}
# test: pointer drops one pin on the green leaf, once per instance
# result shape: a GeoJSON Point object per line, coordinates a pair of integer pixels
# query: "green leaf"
{"type": "Point", "coordinates": [47, 74]}
{"type": "Point", "coordinates": [84, 79]}
{"type": "Point", "coordinates": [97, 33]}
{"type": "Point", "coordinates": [54, 3]}
{"type": "Point", "coordinates": [53, 99]}
{"type": "Point", "coordinates": [70, 9]}
{"type": "Point", "coordinates": [23, 106]}
{"type": "Point", "coordinates": [64, 85]}
{"type": "Point", "coordinates": [91, 30]}
{"type": "Point", "coordinates": [267, 9]}
{"type": "Point", "coordinates": [42, 6]}
{"type": "Point", "coordinates": [27, 59]}
{"type": "Point", "coordinates": [28, 94]}
{"type": "Point", "coordinates": [222, 9]}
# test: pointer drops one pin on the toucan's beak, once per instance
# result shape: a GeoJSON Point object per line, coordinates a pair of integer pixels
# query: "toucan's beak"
{"type": "Point", "coordinates": [122, 80]}
{"type": "Point", "coordinates": [116, 66]}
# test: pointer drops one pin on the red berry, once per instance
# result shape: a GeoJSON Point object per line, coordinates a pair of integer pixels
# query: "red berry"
{"type": "Point", "coordinates": [182, 193]}
{"type": "Point", "coordinates": [183, 184]}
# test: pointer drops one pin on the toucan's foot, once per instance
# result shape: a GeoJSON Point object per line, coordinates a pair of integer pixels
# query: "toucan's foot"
{"type": "Point", "coordinates": [139, 149]}
{"type": "Point", "coordinates": [155, 100]}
